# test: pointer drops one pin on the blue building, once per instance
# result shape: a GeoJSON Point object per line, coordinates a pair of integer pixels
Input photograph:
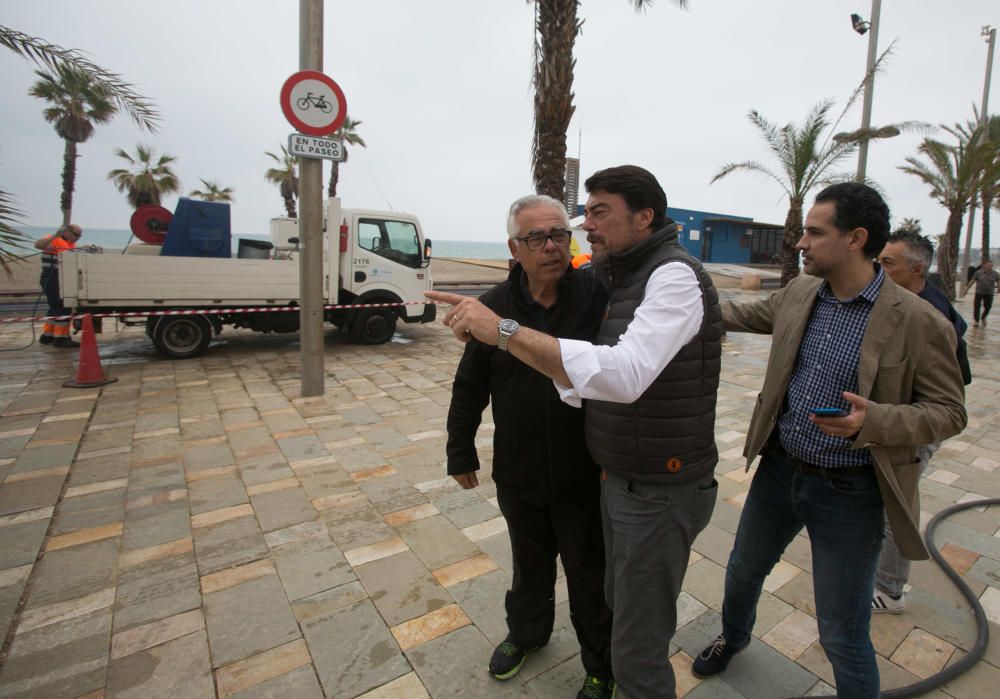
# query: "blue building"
{"type": "Point", "coordinates": [722, 238]}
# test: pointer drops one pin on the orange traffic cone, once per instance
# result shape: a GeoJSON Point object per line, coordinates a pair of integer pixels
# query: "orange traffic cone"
{"type": "Point", "coordinates": [89, 372]}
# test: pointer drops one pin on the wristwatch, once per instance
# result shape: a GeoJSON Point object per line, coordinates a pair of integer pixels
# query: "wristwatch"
{"type": "Point", "coordinates": [506, 328]}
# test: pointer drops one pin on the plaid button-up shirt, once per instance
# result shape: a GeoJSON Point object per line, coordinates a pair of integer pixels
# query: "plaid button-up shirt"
{"type": "Point", "coordinates": [826, 366]}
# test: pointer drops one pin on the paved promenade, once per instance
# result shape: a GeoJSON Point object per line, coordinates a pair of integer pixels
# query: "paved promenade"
{"type": "Point", "coordinates": [198, 530]}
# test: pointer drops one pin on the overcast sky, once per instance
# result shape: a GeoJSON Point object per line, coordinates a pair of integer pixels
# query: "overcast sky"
{"type": "Point", "coordinates": [443, 90]}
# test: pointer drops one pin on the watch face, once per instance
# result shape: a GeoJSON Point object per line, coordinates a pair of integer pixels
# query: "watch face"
{"type": "Point", "coordinates": [508, 326]}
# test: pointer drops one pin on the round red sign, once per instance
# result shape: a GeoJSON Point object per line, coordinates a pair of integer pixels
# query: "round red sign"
{"type": "Point", "coordinates": [313, 103]}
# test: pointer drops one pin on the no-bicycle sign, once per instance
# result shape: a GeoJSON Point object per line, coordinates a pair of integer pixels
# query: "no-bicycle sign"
{"type": "Point", "coordinates": [313, 103]}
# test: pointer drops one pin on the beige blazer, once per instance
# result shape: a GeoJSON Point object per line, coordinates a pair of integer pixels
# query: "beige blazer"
{"type": "Point", "coordinates": [906, 369]}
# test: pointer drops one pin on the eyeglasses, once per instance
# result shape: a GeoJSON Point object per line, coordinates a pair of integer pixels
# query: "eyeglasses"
{"type": "Point", "coordinates": [536, 239]}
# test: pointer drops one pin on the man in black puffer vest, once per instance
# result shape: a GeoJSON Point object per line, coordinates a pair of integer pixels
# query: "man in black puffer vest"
{"type": "Point", "coordinates": [650, 384]}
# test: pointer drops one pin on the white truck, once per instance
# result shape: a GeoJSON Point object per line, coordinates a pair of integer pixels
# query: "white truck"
{"type": "Point", "coordinates": [370, 257]}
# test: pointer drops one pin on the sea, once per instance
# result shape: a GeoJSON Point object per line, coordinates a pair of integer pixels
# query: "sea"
{"type": "Point", "coordinates": [117, 239]}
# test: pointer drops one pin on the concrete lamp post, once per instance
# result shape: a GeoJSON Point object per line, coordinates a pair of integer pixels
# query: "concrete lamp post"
{"type": "Point", "coordinates": [862, 27]}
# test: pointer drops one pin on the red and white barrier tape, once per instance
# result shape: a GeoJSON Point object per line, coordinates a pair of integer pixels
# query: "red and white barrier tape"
{"type": "Point", "coordinates": [214, 311]}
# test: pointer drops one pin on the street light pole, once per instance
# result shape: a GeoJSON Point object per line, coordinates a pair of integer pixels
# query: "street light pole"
{"type": "Point", "coordinates": [311, 220]}
{"type": "Point", "coordinates": [990, 34]}
{"type": "Point", "coordinates": [866, 117]}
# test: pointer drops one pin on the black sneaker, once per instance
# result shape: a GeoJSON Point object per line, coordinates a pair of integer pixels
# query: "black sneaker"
{"type": "Point", "coordinates": [65, 342]}
{"type": "Point", "coordinates": [595, 687]}
{"type": "Point", "coordinates": [715, 658]}
{"type": "Point", "coordinates": [507, 659]}
{"type": "Point", "coordinates": [46, 339]}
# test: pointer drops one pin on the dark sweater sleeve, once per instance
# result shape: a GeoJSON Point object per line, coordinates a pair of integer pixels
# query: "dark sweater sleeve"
{"type": "Point", "coordinates": [470, 394]}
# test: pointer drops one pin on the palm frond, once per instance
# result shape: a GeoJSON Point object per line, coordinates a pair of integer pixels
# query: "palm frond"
{"type": "Point", "coordinates": [750, 166]}
{"type": "Point", "coordinates": [11, 238]}
{"type": "Point", "coordinates": [641, 5]}
{"type": "Point", "coordinates": [860, 89]}
{"type": "Point", "coordinates": [44, 54]}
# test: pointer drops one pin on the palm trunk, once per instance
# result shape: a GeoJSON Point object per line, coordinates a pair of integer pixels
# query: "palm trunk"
{"type": "Point", "coordinates": [793, 231]}
{"type": "Point", "coordinates": [556, 28]}
{"type": "Point", "coordinates": [948, 254]}
{"type": "Point", "coordinates": [334, 179]}
{"type": "Point", "coordinates": [987, 202]}
{"type": "Point", "coordinates": [68, 181]}
{"type": "Point", "coordinates": [290, 207]}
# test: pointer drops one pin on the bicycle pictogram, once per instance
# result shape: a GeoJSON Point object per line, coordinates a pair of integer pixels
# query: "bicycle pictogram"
{"type": "Point", "coordinates": [304, 103]}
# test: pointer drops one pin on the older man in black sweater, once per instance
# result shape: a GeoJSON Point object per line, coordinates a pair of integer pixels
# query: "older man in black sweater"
{"type": "Point", "coordinates": [548, 487]}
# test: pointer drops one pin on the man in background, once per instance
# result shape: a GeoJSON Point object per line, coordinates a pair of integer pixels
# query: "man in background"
{"type": "Point", "coordinates": [987, 281]}
{"type": "Point", "coordinates": [548, 487]}
{"type": "Point", "coordinates": [906, 258]}
{"type": "Point", "coordinates": [56, 332]}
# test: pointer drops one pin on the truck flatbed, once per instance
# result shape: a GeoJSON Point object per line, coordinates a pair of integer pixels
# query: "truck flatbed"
{"type": "Point", "coordinates": [147, 281]}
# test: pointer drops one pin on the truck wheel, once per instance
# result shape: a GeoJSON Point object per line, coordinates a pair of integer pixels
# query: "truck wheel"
{"type": "Point", "coordinates": [182, 337]}
{"type": "Point", "coordinates": [373, 326]}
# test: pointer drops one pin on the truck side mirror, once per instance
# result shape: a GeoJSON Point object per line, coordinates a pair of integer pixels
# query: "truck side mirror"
{"type": "Point", "coordinates": [427, 249]}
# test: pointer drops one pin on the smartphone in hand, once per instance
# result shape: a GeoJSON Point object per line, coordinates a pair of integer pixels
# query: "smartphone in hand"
{"type": "Point", "coordinates": [829, 412]}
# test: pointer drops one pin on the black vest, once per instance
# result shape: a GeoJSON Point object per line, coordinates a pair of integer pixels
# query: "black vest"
{"type": "Point", "coordinates": [668, 434]}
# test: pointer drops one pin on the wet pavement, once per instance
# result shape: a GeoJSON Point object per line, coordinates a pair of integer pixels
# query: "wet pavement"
{"type": "Point", "coordinates": [197, 529]}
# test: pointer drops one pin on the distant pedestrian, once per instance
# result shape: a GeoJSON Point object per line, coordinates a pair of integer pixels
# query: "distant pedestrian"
{"type": "Point", "coordinates": [56, 332]}
{"type": "Point", "coordinates": [987, 281]}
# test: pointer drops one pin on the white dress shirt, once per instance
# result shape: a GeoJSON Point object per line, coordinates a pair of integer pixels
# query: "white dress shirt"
{"type": "Point", "coordinates": [668, 318]}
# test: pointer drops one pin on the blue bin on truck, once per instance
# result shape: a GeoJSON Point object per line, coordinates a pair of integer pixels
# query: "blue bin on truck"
{"type": "Point", "coordinates": [199, 229]}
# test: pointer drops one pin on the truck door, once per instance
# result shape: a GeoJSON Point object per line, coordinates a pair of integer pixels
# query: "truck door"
{"type": "Point", "coordinates": [388, 256]}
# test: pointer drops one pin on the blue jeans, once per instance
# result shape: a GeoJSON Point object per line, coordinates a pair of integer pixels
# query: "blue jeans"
{"type": "Point", "coordinates": [843, 515]}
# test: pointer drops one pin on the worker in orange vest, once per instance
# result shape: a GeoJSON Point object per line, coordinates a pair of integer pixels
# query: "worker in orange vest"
{"type": "Point", "coordinates": [581, 261]}
{"type": "Point", "coordinates": [56, 332]}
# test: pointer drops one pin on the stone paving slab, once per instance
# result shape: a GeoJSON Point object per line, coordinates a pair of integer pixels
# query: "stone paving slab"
{"type": "Point", "coordinates": [198, 529]}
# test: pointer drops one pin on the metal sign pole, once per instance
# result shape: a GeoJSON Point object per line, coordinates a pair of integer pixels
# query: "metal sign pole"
{"type": "Point", "coordinates": [311, 219]}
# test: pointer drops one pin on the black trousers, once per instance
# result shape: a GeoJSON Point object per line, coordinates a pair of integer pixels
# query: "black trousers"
{"type": "Point", "coordinates": [572, 530]}
{"type": "Point", "coordinates": [49, 281]}
{"type": "Point", "coordinates": [984, 301]}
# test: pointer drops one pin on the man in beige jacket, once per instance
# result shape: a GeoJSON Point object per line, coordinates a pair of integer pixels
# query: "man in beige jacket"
{"type": "Point", "coordinates": [861, 373]}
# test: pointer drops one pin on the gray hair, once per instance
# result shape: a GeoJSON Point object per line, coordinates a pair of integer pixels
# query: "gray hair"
{"type": "Point", "coordinates": [530, 202]}
{"type": "Point", "coordinates": [918, 248]}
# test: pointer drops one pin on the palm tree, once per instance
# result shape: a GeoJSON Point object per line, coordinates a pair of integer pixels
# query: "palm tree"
{"type": "Point", "coordinates": [77, 103]}
{"type": "Point", "coordinates": [556, 27]}
{"type": "Point", "coordinates": [144, 181]}
{"type": "Point", "coordinates": [46, 55]}
{"type": "Point", "coordinates": [348, 133]}
{"type": "Point", "coordinates": [952, 174]}
{"type": "Point", "coordinates": [213, 192]}
{"type": "Point", "coordinates": [803, 163]}
{"type": "Point", "coordinates": [910, 225]}
{"type": "Point", "coordinates": [10, 238]}
{"type": "Point", "coordinates": [285, 177]}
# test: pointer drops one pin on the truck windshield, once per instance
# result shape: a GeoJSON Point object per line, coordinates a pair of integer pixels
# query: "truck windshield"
{"type": "Point", "coordinates": [393, 240]}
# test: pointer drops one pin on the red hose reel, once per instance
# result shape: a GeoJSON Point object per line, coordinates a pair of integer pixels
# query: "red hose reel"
{"type": "Point", "coordinates": [149, 223]}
